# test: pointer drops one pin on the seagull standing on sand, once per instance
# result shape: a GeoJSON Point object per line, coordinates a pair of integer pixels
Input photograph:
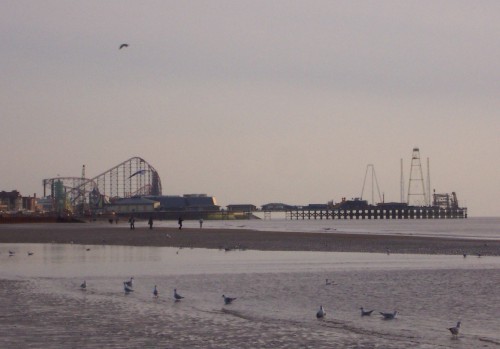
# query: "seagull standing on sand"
{"type": "Point", "coordinates": [389, 316]}
{"type": "Point", "coordinates": [11, 253]}
{"type": "Point", "coordinates": [366, 312]}
{"type": "Point", "coordinates": [155, 292]}
{"type": "Point", "coordinates": [228, 300]}
{"type": "Point", "coordinates": [177, 296]}
{"type": "Point", "coordinates": [83, 286]}
{"type": "Point", "coordinates": [122, 46]}
{"type": "Point", "coordinates": [454, 330]}
{"type": "Point", "coordinates": [328, 282]}
{"type": "Point", "coordinates": [126, 288]}
{"type": "Point", "coordinates": [321, 312]}
{"type": "Point", "coordinates": [130, 283]}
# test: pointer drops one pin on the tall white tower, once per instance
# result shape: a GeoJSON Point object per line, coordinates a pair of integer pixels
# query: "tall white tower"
{"type": "Point", "coordinates": [417, 196]}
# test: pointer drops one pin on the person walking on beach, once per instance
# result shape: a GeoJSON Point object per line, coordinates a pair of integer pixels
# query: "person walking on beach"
{"type": "Point", "coordinates": [132, 222]}
{"type": "Point", "coordinates": [201, 223]}
{"type": "Point", "coordinates": [180, 222]}
{"type": "Point", "coordinates": [150, 222]}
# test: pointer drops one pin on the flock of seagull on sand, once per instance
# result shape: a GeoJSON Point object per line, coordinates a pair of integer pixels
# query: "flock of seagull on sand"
{"type": "Point", "coordinates": [321, 313]}
{"type": "Point", "coordinates": [129, 284]}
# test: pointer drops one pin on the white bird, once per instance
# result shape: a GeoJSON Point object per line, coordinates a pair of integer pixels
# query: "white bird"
{"type": "Point", "coordinates": [321, 312]}
{"type": "Point", "coordinates": [454, 330]}
{"type": "Point", "coordinates": [130, 283]}
{"type": "Point", "coordinates": [366, 312]}
{"type": "Point", "coordinates": [228, 300]}
{"type": "Point", "coordinates": [83, 286]}
{"type": "Point", "coordinates": [122, 46]}
{"type": "Point", "coordinates": [126, 288]}
{"type": "Point", "coordinates": [155, 292]}
{"type": "Point", "coordinates": [177, 296]}
{"type": "Point", "coordinates": [389, 316]}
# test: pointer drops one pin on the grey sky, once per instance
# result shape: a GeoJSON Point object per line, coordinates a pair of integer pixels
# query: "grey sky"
{"type": "Point", "coordinates": [254, 101]}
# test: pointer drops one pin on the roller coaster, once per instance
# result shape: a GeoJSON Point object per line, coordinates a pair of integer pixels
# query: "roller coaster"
{"type": "Point", "coordinates": [133, 177]}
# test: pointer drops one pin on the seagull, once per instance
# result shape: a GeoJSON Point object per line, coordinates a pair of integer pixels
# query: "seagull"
{"type": "Point", "coordinates": [228, 300]}
{"type": "Point", "coordinates": [126, 288]}
{"type": "Point", "coordinates": [83, 286]}
{"type": "Point", "coordinates": [11, 253]}
{"type": "Point", "coordinates": [389, 316]}
{"type": "Point", "coordinates": [454, 330]}
{"type": "Point", "coordinates": [177, 296]}
{"type": "Point", "coordinates": [327, 282]}
{"type": "Point", "coordinates": [366, 312]}
{"type": "Point", "coordinates": [30, 253]}
{"type": "Point", "coordinates": [321, 312]}
{"type": "Point", "coordinates": [122, 46]}
{"type": "Point", "coordinates": [155, 292]}
{"type": "Point", "coordinates": [130, 282]}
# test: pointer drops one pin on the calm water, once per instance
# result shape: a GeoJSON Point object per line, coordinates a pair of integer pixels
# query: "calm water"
{"type": "Point", "coordinates": [278, 296]}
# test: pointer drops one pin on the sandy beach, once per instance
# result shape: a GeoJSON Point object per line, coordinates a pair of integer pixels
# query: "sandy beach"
{"type": "Point", "coordinates": [101, 234]}
{"type": "Point", "coordinates": [278, 283]}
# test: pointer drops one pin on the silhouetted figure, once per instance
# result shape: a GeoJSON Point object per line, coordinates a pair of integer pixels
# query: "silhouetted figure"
{"type": "Point", "coordinates": [132, 222]}
{"type": "Point", "coordinates": [180, 222]}
{"type": "Point", "coordinates": [201, 223]}
{"type": "Point", "coordinates": [150, 222]}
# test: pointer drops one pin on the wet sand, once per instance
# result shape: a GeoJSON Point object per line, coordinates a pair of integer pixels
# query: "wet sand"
{"type": "Point", "coordinates": [95, 234]}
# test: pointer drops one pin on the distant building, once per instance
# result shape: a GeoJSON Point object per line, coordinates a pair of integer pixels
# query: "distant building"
{"type": "Point", "coordinates": [354, 204]}
{"type": "Point", "coordinates": [14, 201]}
{"type": "Point", "coordinates": [133, 205]}
{"type": "Point", "coordinates": [241, 208]}
{"type": "Point", "coordinates": [187, 202]}
{"type": "Point", "coordinates": [11, 201]}
{"type": "Point", "coordinates": [45, 204]}
{"type": "Point", "coordinates": [277, 207]}
{"type": "Point", "coordinates": [316, 207]}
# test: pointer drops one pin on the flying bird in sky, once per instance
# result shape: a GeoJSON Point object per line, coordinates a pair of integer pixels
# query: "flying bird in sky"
{"type": "Point", "coordinates": [122, 46]}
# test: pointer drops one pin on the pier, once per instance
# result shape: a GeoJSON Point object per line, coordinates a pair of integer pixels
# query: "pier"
{"type": "Point", "coordinates": [376, 213]}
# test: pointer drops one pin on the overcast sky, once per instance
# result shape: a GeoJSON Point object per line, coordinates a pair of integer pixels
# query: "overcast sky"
{"type": "Point", "coordinates": [254, 101]}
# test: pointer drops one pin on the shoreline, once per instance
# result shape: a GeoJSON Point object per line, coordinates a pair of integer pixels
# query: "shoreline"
{"type": "Point", "coordinates": [229, 239]}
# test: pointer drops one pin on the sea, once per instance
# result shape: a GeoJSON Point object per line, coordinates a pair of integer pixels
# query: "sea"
{"type": "Point", "coordinates": [277, 293]}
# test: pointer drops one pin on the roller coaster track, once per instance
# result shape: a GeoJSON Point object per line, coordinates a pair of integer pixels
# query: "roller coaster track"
{"type": "Point", "coordinates": [132, 177]}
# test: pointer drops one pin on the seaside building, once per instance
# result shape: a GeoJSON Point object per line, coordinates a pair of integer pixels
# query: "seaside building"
{"type": "Point", "coordinates": [241, 208]}
{"type": "Point", "coordinates": [187, 202]}
{"type": "Point", "coordinates": [277, 207]}
{"type": "Point", "coordinates": [13, 201]}
{"type": "Point", "coordinates": [133, 205]}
